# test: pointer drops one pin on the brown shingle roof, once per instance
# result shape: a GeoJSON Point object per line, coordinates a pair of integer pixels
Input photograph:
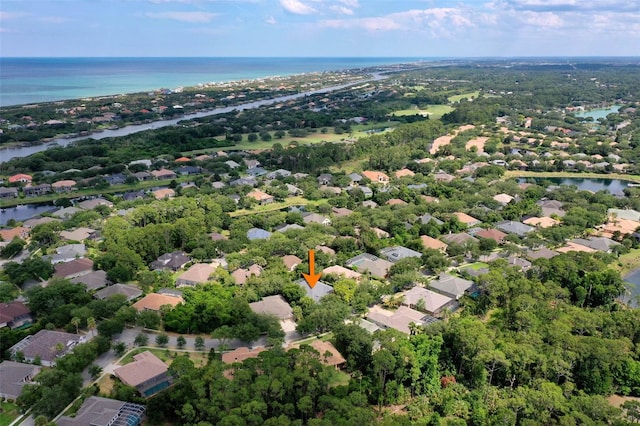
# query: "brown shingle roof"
{"type": "Point", "coordinates": [153, 302]}
{"type": "Point", "coordinates": [145, 367]}
{"type": "Point", "coordinates": [74, 267]}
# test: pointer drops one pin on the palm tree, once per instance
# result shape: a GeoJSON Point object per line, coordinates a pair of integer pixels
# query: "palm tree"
{"type": "Point", "coordinates": [91, 324]}
{"type": "Point", "coordinates": [75, 321]}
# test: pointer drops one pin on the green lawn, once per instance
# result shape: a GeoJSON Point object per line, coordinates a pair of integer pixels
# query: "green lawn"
{"type": "Point", "coordinates": [433, 111]}
{"type": "Point", "coordinates": [8, 414]}
{"type": "Point", "coordinates": [160, 353]}
{"type": "Point", "coordinates": [476, 266]}
{"type": "Point", "coordinates": [458, 98]}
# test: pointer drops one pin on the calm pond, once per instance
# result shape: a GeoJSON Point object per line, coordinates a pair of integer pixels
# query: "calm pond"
{"type": "Point", "coordinates": [598, 113]}
{"type": "Point", "coordinates": [614, 186]}
{"type": "Point", "coordinates": [633, 281]}
{"type": "Point", "coordinates": [22, 213]}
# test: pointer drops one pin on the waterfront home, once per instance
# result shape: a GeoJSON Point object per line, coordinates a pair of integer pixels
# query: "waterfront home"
{"type": "Point", "coordinates": [94, 202]}
{"type": "Point", "coordinates": [8, 192]}
{"type": "Point", "coordinates": [163, 174]}
{"type": "Point", "coordinates": [8, 234]}
{"type": "Point", "coordinates": [36, 190]}
{"type": "Point", "coordinates": [66, 185]}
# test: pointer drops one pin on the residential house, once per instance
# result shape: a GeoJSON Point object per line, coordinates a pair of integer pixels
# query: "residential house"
{"type": "Point", "coordinates": [94, 280]}
{"type": "Point", "coordinates": [551, 207]}
{"type": "Point", "coordinates": [433, 244]}
{"type": "Point", "coordinates": [9, 234]}
{"type": "Point", "coordinates": [605, 245]}
{"type": "Point", "coordinates": [400, 319]}
{"type": "Point", "coordinates": [163, 174]}
{"type": "Point", "coordinates": [394, 254]}
{"type": "Point", "coordinates": [341, 211]}
{"type": "Point", "coordinates": [404, 173]}
{"type": "Point", "coordinates": [66, 185]}
{"type": "Point", "coordinates": [20, 178]}
{"type": "Point", "coordinates": [380, 233]}
{"type": "Point", "coordinates": [31, 223]}
{"type": "Point", "coordinates": [147, 373]}
{"type": "Point", "coordinates": [325, 179]}
{"type": "Point", "coordinates": [133, 195]}
{"type": "Point", "coordinates": [189, 170]}
{"type": "Point", "coordinates": [459, 238]}
{"type": "Point", "coordinates": [79, 234]}
{"type": "Point", "coordinates": [366, 191]}
{"type": "Point", "coordinates": [66, 212]}
{"type": "Point", "coordinates": [326, 250]}
{"type": "Point", "coordinates": [67, 253]}
{"type": "Point", "coordinates": [492, 234]}
{"type": "Point", "coordinates": [98, 411]}
{"type": "Point", "coordinates": [315, 218]}
{"type": "Point", "coordinates": [278, 173]}
{"type": "Point", "coordinates": [342, 271]}
{"type": "Point", "coordinates": [319, 290]}
{"type": "Point", "coordinates": [503, 199]}
{"type": "Point", "coordinates": [14, 315]}
{"type": "Point", "coordinates": [37, 190]}
{"type": "Point", "coordinates": [432, 303]}
{"type": "Point", "coordinates": [443, 177]}
{"type": "Point", "coordinates": [8, 192]}
{"type": "Point", "coordinates": [94, 202]}
{"type": "Point", "coordinates": [249, 181]}
{"type": "Point", "coordinates": [366, 262]}
{"type": "Point", "coordinates": [161, 194]}
{"type": "Point", "coordinates": [143, 176]}
{"type": "Point", "coordinates": [541, 222]}
{"type": "Point", "coordinates": [426, 218]}
{"type": "Point", "coordinates": [519, 262]}
{"type": "Point", "coordinates": [466, 219]}
{"type": "Point", "coordinates": [47, 345]}
{"type": "Point", "coordinates": [376, 177]}
{"type": "Point", "coordinates": [273, 305]}
{"type": "Point", "coordinates": [451, 286]}
{"type": "Point", "coordinates": [370, 204]}
{"type": "Point", "coordinates": [116, 179]}
{"type": "Point", "coordinates": [329, 355]}
{"type": "Point", "coordinates": [288, 227]}
{"type": "Point", "coordinates": [290, 261]}
{"type": "Point", "coordinates": [541, 253]}
{"type": "Point", "coordinates": [256, 171]}
{"type": "Point", "coordinates": [512, 227]}
{"type": "Point", "coordinates": [241, 354]}
{"type": "Point", "coordinates": [261, 197]}
{"type": "Point", "coordinates": [240, 276]}
{"type": "Point", "coordinates": [182, 160]}
{"type": "Point", "coordinates": [250, 163]}
{"type": "Point", "coordinates": [293, 190]}
{"type": "Point", "coordinates": [232, 164]}
{"type": "Point", "coordinates": [155, 301]}
{"type": "Point", "coordinates": [73, 268]}
{"type": "Point", "coordinates": [129, 291]}
{"type": "Point", "coordinates": [196, 274]}
{"type": "Point", "coordinates": [396, 202]}
{"type": "Point", "coordinates": [172, 261]}
{"type": "Point", "coordinates": [355, 179]}
{"type": "Point", "coordinates": [258, 234]}
{"type": "Point", "coordinates": [14, 376]}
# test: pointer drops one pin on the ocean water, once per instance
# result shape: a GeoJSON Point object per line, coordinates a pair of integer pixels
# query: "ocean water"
{"type": "Point", "coordinates": [30, 80]}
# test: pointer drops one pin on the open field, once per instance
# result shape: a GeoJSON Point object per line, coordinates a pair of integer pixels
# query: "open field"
{"type": "Point", "coordinates": [433, 111]}
{"type": "Point", "coordinates": [627, 262]}
{"type": "Point", "coordinates": [292, 201]}
{"type": "Point", "coordinates": [458, 98]}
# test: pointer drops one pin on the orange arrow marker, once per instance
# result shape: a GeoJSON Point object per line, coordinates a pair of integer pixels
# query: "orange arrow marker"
{"type": "Point", "coordinates": [312, 278]}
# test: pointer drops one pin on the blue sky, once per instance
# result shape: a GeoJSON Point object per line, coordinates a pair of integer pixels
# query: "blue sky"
{"type": "Point", "coordinates": [417, 28]}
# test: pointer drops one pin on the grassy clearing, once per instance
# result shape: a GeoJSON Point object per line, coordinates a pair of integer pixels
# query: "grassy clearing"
{"type": "Point", "coordinates": [8, 414]}
{"type": "Point", "coordinates": [628, 262]}
{"type": "Point", "coordinates": [106, 384]}
{"type": "Point", "coordinates": [476, 266]}
{"type": "Point", "coordinates": [458, 98]}
{"type": "Point", "coordinates": [293, 201]}
{"type": "Point", "coordinates": [339, 378]}
{"type": "Point", "coordinates": [542, 175]}
{"type": "Point", "coordinates": [433, 111]}
{"type": "Point", "coordinates": [348, 166]}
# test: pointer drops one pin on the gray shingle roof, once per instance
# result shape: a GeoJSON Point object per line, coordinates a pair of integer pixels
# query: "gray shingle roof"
{"type": "Point", "coordinates": [320, 290]}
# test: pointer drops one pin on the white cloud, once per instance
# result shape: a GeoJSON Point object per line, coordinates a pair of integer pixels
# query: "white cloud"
{"type": "Point", "coordinates": [438, 21]}
{"type": "Point", "coordinates": [541, 19]}
{"type": "Point", "coordinates": [342, 10]}
{"type": "Point", "coordinates": [297, 7]}
{"type": "Point", "coordinates": [271, 20]}
{"type": "Point", "coordinates": [192, 17]}
{"type": "Point", "coordinates": [350, 3]}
